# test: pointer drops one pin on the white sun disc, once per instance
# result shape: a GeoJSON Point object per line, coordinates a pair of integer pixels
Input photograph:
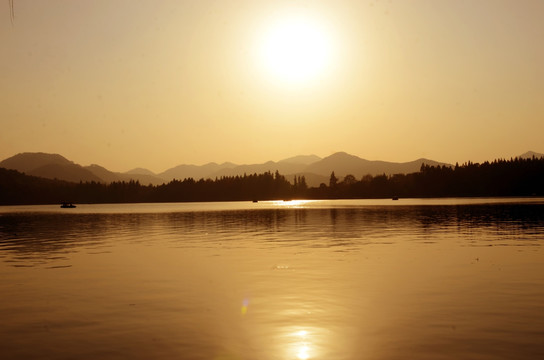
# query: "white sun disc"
{"type": "Point", "coordinates": [295, 49]}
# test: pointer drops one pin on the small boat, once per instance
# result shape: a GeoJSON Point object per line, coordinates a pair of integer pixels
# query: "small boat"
{"type": "Point", "coordinates": [395, 198]}
{"type": "Point", "coordinates": [66, 205]}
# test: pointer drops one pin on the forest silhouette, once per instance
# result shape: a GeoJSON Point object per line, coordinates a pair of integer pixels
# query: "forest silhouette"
{"type": "Point", "coordinates": [514, 177]}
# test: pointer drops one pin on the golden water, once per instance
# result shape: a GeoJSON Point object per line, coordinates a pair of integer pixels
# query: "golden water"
{"type": "Point", "coordinates": [376, 279]}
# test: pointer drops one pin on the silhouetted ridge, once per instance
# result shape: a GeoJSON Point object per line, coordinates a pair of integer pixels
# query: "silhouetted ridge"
{"type": "Point", "coordinates": [55, 166]}
{"type": "Point", "coordinates": [516, 177]}
{"type": "Point", "coordinates": [315, 172]}
{"type": "Point", "coordinates": [301, 159]}
{"type": "Point", "coordinates": [140, 171]}
{"type": "Point", "coordinates": [25, 162]}
{"type": "Point", "coordinates": [530, 154]}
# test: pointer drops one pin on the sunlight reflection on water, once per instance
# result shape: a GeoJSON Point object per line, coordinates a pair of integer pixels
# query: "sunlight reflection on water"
{"type": "Point", "coordinates": [291, 280]}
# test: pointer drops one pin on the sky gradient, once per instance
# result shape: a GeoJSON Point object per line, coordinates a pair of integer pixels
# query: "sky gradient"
{"type": "Point", "coordinates": [156, 84]}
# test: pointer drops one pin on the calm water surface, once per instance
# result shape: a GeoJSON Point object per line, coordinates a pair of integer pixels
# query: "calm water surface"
{"type": "Point", "coordinates": [365, 279]}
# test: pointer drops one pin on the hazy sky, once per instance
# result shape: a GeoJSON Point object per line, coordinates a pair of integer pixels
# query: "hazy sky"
{"type": "Point", "coordinates": [159, 83]}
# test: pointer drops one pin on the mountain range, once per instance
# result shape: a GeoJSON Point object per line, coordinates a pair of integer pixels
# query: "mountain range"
{"type": "Point", "coordinates": [316, 170]}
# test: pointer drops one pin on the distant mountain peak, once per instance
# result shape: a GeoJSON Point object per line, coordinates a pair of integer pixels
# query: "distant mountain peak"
{"type": "Point", "coordinates": [28, 161]}
{"type": "Point", "coordinates": [140, 171]}
{"type": "Point", "coordinates": [529, 154]}
{"type": "Point", "coordinates": [342, 157]}
{"type": "Point", "coordinates": [41, 156]}
{"type": "Point", "coordinates": [301, 159]}
{"type": "Point", "coordinates": [343, 154]}
{"type": "Point", "coordinates": [227, 164]}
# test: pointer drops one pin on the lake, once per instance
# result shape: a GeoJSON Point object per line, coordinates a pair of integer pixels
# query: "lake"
{"type": "Point", "coordinates": [337, 279]}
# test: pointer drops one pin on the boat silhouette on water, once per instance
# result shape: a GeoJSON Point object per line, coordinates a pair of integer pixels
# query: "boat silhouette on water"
{"type": "Point", "coordinates": [66, 205]}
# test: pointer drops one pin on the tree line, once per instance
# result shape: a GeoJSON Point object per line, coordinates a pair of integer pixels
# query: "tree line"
{"type": "Point", "coordinates": [514, 177]}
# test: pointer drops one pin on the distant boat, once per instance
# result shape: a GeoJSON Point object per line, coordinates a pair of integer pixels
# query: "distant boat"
{"type": "Point", "coordinates": [66, 205]}
{"type": "Point", "coordinates": [395, 198]}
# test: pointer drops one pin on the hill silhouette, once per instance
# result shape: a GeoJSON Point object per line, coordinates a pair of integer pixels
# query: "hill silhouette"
{"type": "Point", "coordinates": [316, 170]}
{"type": "Point", "coordinates": [194, 171]}
{"type": "Point", "coordinates": [301, 159]}
{"type": "Point", "coordinates": [49, 166]}
{"type": "Point", "coordinates": [345, 164]}
{"type": "Point", "coordinates": [109, 176]}
{"type": "Point", "coordinates": [531, 154]}
{"type": "Point", "coordinates": [515, 177]}
{"type": "Point", "coordinates": [141, 171]}
{"type": "Point", "coordinates": [26, 162]}
{"type": "Point", "coordinates": [55, 166]}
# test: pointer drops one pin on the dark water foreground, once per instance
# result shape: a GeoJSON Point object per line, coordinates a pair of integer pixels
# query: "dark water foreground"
{"type": "Point", "coordinates": [410, 279]}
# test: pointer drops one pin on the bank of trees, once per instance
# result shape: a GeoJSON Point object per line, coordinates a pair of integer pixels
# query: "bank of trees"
{"type": "Point", "coordinates": [514, 177]}
{"type": "Point", "coordinates": [17, 188]}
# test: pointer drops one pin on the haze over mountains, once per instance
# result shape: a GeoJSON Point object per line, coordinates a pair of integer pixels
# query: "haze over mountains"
{"type": "Point", "coordinates": [315, 169]}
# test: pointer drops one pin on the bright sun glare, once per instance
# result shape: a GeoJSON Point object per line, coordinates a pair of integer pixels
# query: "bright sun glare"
{"type": "Point", "coordinates": [295, 49]}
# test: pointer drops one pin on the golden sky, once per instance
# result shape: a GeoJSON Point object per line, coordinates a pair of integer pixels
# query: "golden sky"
{"type": "Point", "coordinates": [159, 83]}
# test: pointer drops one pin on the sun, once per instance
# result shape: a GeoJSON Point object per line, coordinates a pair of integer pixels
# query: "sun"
{"type": "Point", "coordinates": [295, 49]}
